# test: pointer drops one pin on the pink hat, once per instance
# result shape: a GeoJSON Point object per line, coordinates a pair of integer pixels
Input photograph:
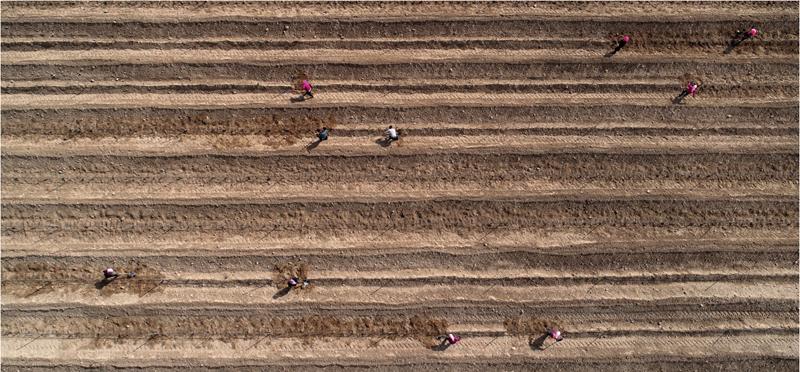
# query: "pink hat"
{"type": "Point", "coordinates": [626, 38]}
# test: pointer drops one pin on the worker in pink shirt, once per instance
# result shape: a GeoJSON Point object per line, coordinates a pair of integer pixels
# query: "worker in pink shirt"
{"type": "Point", "coordinates": [624, 40]}
{"type": "Point", "coordinates": [307, 89]}
{"type": "Point", "coordinates": [752, 32]}
{"type": "Point", "coordinates": [447, 341]}
{"type": "Point", "coordinates": [621, 43]}
{"type": "Point", "coordinates": [741, 36]}
{"type": "Point", "coordinates": [453, 339]}
{"type": "Point", "coordinates": [691, 88]}
{"type": "Point", "coordinates": [555, 334]}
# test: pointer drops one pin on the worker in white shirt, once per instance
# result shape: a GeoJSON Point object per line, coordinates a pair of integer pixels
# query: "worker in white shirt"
{"type": "Point", "coordinates": [391, 134]}
{"type": "Point", "coordinates": [109, 274]}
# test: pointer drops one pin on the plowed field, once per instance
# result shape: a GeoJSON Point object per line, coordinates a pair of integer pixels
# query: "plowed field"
{"type": "Point", "coordinates": [537, 182]}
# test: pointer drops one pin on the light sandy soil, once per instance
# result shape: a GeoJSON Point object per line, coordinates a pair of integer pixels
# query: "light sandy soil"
{"type": "Point", "coordinates": [538, 182]}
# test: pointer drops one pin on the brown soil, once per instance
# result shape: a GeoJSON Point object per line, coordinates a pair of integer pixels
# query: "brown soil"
{"type": "Point", "coordinates": [540, 182]}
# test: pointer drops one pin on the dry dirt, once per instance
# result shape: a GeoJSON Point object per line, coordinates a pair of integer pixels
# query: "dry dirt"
{"type": "Point", "coordinates": [537, 183]}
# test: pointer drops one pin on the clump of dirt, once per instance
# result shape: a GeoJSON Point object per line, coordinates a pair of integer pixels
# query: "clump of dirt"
{"type": "Point", "coordinates": [528, 325]}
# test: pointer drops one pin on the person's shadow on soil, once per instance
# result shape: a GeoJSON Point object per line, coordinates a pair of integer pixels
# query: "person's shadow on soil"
{"type": "Point", "coordinates": [537, 344]}
{"type": "Point", "coordinates": [313, 145]}
{"type": "Point", "coordinates": [297, 99]}
{"type": "Point", "coordinates": [100, 284]}
{"type": "Point", "coordinates": [610, 54]}
{"type": "Point", "coordinates": [442, 346]}
{"type": "Point", "coordinates": [384, 142]}
{"type": "Point", "coordinates": [679, 99]}
{"type": "Point", "coordinates": [735, 41]}
{"type": "Point", "coordinates": [732, 45]}
{"type": "Point", "coordinates": [281, 293]}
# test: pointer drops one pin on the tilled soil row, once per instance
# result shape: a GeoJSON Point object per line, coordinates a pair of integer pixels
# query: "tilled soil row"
{"type": "Point", "coordinates": [199, 327]}
{"type": "Point", "coordinates": [730, 259]}
{"type": "Point", "coordinates": [374, 351]}
{"type": "Point", "coordinates": [238, 327]}
{"type": "Point", "coordinates": [774, 26]}
{"type": "Point", "coordinates": [300, 121]}
{"type": "Point", "coordinates": [627, 257]}
{"type": "Point", "coordinates": [103, 220]}
{"type": "Point", "coordinates": [128, 292]}
{"type": "Point", "coordinates": [142, 286]}
{"type": "Point", "coordinates": [306, 142]}
{"type": "Point", "coordinates": [713, 71]}
{"type": "Point", "coordinates": [229, 137]}
{"type": "Point", "coordinates": [88, 58]}
{"type": "Point", "coordinates": [457, 311]}
{"type": "Point", "coordinates": [221, 189]}
{"type": "Point", "coordinates": [380, 9]}
{"type": "Point", "coordinates": [367, 100]}
{"type": "Point", "coordinates": [727, 363]}
{"type": "Point", "coordinates": [759, 47]}
{"type": "Point", "coordinates": [709, 90]}
{"type": "Point", "coordinates": [455, 167]}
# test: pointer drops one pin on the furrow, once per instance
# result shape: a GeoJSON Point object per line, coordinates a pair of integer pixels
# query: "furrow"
{"type": "Point", "coordinates": [140, 292]}
{"type": "Point", "coordinates": [170, 12]}
{"type": "Point", "coordinates": [690, 30]}
{"type": "Point", "coordinates": [771, 47]}
{"type": "Point", "coordinates": [723, 71]}
{"type": "Point", "coordinates": [404, 87]}
{"type": "Point", "coordinates": [321, 56]}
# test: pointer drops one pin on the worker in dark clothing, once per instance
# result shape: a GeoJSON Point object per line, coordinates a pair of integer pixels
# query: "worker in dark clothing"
{"type": "Point", "coordinates": [322, 134]}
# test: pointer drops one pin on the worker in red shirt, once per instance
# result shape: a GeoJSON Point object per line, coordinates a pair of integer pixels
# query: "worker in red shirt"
{"type": "Point", "coordinates": [741, 36]}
